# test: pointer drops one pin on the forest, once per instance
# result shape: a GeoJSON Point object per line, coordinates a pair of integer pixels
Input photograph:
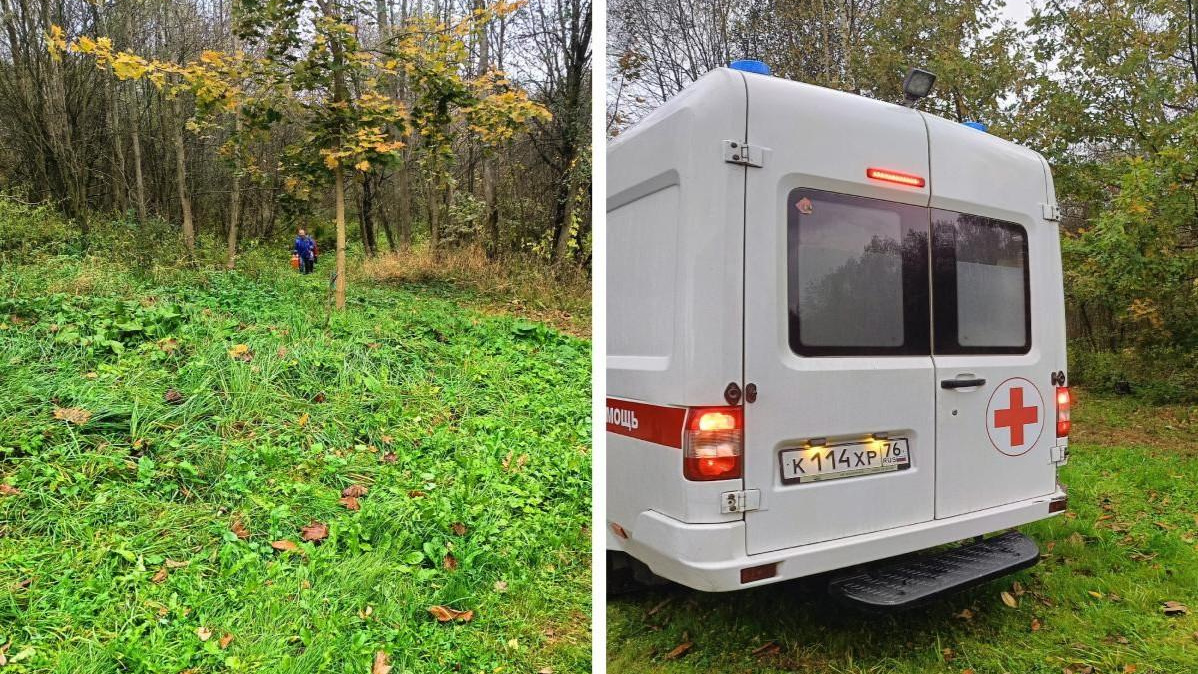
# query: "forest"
{"type": "Point", "coordinates": [1106, 90]}
{"type": "Point", "coordinates": [224, 125]}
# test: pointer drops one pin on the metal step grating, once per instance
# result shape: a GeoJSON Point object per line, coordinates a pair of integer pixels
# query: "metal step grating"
{"type": "Point", "coordinates": [917, 580]}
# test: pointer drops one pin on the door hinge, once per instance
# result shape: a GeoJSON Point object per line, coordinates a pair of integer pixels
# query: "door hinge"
{"type": "Point", "coordinates": [1052, 212]}
{"type": "Point", "coordinates": [736, 152]}
{"type": "Point", "coordinates": [740, 501]}
{"type": "Point", "coordinates": [1059, 455]}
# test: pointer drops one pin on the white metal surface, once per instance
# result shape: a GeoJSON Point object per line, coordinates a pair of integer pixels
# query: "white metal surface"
{"type": "Point", "coordinates": [1000, 180]}
{"type": "Point", "coordinates": [826, 140]}
{"type": "Point", "coordinates": [709, 557]}
{"type": "Point", "coordinates": [674, 287]}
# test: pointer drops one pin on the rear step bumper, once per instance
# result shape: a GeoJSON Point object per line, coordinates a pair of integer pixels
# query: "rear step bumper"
{"type": "Point", "coordinates": [920, 579]}
{"type": "Point", "coordinates": [710, 557]}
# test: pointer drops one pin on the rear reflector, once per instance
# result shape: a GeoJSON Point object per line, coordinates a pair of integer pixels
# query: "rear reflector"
{"type": "Point", "coordinates": [1058, 504]}
{"type": "Point", "coordinates": [714, 444]}
{"type": "Point", "coordinates": [1064, 401]}
{"type": "Point", "coordinates": [896, 177]}
{"type": "Point", "coordinates": [756, 573]}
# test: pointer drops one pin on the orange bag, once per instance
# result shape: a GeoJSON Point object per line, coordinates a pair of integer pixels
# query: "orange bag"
{"type": "Point", "coordinates": [295, 261]}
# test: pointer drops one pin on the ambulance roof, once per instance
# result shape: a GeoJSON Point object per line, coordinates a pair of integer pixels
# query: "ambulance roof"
{"type": "Point", "coordinates": [713, 90]}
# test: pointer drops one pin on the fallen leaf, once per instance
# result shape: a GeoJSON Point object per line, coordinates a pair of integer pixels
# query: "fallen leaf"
{"type": "Point", "coordinates": [679, 650]}
{"type": "Point", "coordinates": [315, 531]}
{"type": "Point", "coordinates": [9, 490]}
{"type": "Point", "coordinates": [225, 641]}
{"type": "Point", "coordinates": [281, 352]}
{"type": "Point", "coordinates": [172, 564]}
{"type": "Point", "coordinates": [203, 633]}
{"type": "Point", "coordinates": [444, 614]}
{"type": "Point", "coordinates": [459, 529]}
{"type": "Point", "coordinates": [501, 586]}
{"type": "Point", "coordinates": [1096, 595]}
{"type": "Point", "coordinates": [1175, 608]}
{"type": "Point", "coordinates": [965, 614]}
{"type": "Point", "coordinates": [72, 415]}
{"type": "Point", "coordinates": [389, 457]}
{"type": "Point", "coordinates": [767, 648]}
{"type": "Point", "coordinates": [303, 420]}
{"type": "Point", "coordinates": [172, 397]}
{"type": "Point", "coordinates": [241, 352]}
{"type": "Point", "coordinates": [354, 490]}
{"type": "Point", "coordinates": [239, 529]}
{"type": "Point", "coordinates": [350, 502]}
{"type": "Point", "coordinates": [450, 562]}
{"type": "Point", "coordinates": [318, 398]}
{"type": "Point", "coordinates": [545, 670]}
{"type": "Point", "coordinates": [380, 665]}
{"type": "Point", "coordinates": [1076, 538]}
{"type": "Point", "coordinates": [168, 345]}
{"type": "Point", "coordinates": [1035, 625]}
{"type": "Point", "coordinates": [160, 577]}
{"type": "Point", "coordinates": [948, 654]}
{"type": "Point", "coordinates": [1078, 668]}
{"type": "Point", "coordinates": [1017, 588]}
{"type": "Point", "coordinates": [1165, 525]}
{"type": "Point", "coordinates": [1008, 599]}
{"type": "Point", "coordinates": [284, 546]}
{"type": "Point", "coordinates": [416, 493]}
{"type": "Point", "coordinates": [22, 584]}
{"type": "Point", "coordinates": [1129, 669]}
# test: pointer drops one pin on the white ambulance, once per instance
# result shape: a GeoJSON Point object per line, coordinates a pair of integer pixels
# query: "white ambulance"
{"type": "Point", "coordinates": [835, 337]}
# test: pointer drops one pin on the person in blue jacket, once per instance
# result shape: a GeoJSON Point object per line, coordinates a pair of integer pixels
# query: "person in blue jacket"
{"type": "Point", "coordinates": [305, 248]}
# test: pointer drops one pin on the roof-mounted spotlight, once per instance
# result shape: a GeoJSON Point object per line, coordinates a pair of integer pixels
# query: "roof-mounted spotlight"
{"type": "Point", "coordinates": [917, 85]}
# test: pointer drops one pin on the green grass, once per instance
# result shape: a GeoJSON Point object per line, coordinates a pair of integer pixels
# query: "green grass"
{"type": "Point", "coordinates": [448, 416]}
{"type": "Point", "coordinates": [1126, 546]}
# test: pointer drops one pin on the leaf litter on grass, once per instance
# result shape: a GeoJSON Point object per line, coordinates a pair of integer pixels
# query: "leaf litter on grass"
{"type": "Point", "coordinates": [194, 453]}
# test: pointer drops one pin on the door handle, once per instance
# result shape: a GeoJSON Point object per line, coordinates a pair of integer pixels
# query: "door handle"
{"type": "Point", "coordinates": [962, 383]}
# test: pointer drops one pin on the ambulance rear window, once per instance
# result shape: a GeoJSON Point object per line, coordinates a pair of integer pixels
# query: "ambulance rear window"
{"type": "Point", "coordinates": [857, 274]}
{"type": "Point", "coordinates": [980, 285]}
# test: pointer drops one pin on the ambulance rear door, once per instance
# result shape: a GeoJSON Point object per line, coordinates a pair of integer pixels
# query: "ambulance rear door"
{"type": "Point", "coordinates": [998, 320]}
{"type": "Point", "coordinates": [840, 435]}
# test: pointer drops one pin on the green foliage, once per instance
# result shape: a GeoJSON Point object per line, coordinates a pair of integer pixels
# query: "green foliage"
{"type": "Point", "coordinates": [28, 231]}
{"type": "Point", "coordinates": [447, 415]}
{"type": "Point", "coordinates": [1139, 258]}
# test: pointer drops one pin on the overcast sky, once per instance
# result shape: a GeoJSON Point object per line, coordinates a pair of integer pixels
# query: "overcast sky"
{"type": "Point", "coordinates": [1018, 11]}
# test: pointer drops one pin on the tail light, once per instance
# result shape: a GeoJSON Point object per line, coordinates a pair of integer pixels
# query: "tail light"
{"type": "Point", "coordinates": [896, 177]}
{"type": "Point", "coordinates": [714, 444]}
{"type": "Point", "coordinates": [1063, 403]}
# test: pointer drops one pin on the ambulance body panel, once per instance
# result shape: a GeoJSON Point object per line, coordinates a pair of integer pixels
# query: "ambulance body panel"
{"type": "Point", "coordinates": [916, 325]}
{"type": "Point", "coordinates": [681, 267]}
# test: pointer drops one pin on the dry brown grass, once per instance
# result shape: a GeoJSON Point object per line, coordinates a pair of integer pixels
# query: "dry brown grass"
{"type": "Point", "coordinates": [515, 284]}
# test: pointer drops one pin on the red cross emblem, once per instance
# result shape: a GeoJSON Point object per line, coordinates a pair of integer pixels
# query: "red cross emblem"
{"type": "Point", "coordinates": [1016, 416]}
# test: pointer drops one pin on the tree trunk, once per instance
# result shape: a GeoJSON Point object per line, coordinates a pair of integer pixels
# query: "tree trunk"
{"type": "Point", "coordinates": [366, 218]}
{"type": "Point", "coordinates": [141, 183]}
{"type": "Point", "coordinates": [189, 236]}
{"type": "Point", "coordinates": [405, 206]}
{"type": "Point", "coordinates": [234, 214]}
{"type": "Point", "coordinates": [561, 247]}
{"type": "Point", "coordinates": [235, 195]}
{"type": "Point", "coordinates": [434, 213]}
{"type": "Point", "coordinates": [339, 188]}
{"type": "Point", "coordinates": [120, 186]}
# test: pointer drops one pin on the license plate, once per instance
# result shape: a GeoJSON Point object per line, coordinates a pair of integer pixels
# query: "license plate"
{"type": "Point", "coordinates": [812, 464]}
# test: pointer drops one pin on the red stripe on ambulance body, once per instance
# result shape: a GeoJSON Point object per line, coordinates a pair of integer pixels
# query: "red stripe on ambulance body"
{"type": "Point", "coordinates": [658, 424]}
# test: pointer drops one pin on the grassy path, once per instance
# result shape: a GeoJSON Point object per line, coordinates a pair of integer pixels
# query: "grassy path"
{"type": "Point", "coordinates": [222, 417]}
{"type": "Point", "coordinates": [1093, 604]}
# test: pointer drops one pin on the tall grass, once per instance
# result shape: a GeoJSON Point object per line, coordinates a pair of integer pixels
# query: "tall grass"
{"type": "Point", "coordinates": [521, 283]}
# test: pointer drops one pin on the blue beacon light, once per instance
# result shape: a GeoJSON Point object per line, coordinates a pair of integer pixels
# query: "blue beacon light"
{"type": "Point", "coordinates": [750, 66]}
